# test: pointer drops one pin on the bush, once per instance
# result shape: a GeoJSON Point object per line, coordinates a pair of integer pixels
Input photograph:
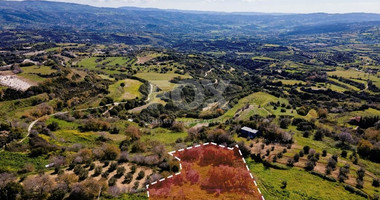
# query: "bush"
{"type": "Point", "coordinates": [133, 169]}
{"type": "Point", "coordinates": [112, 167]}
{"type": "Point", "coordinates": [112, 181]}
{"type": "Point", "coordinates": [343, 173]}
{"type": "Point", "coordinates": [128, 178]}
{"type": "Point", "coordinates": [376, 182]}
{"type": "Point", "coordinates": [284, 184]}
{"type": "Point", "coordinates": [324, 153]}
{"type": "Point", "coordinates": [354, 190]}
{"type": "Point", "coordinates": [98, 171]}
{"type": "Point", "coordinates": [105, 175]}
{"type": "Point", "coordinates": [306, 149]}
{"type": "Point", "coordinates": [344, 154]}
{"type": "Point", "coordinates": [140, 175]}
{"type": "Point", "coordinates": [296, 157]}
{"type": "Point", "coordinates": [328, 178]}
{"type": "Point", "coordinates": [290, 162]}
{"type": "Point", "coordinates": [301, 154]}
{"type": "Point", "coordinates": [120, 172]}
{"type": "Point", "coordinates": [306, 134]}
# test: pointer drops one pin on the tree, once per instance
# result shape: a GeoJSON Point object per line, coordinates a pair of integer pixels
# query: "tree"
{"type": "Point", "coordinates": [376, 182]}
{"type": "Point", "coordinates": [296, 157]}
{"type": "Point", "coordinates": [359, 179]}
{"type": "Point", "coordinates": [38, 187]}
{"type": "Point", "coordinates": [343, 172]}
{"type": "Point", "coordinates": [87, 190]}
{"type": "Point", "coordinates": [10, 191]}
{"type": "Point", "coordinates": [284, 184]}
{"type": "Point", "coordinates": [345, 138]}
{"type": "Point", "coordinates": [364, 148]}
{"type": "Point", "coordinates": [319, 134]}
{"type": "Point", "coordinates": [110, 152]}
{"type": "Point", "coordinates": [140, 175]}
{"type": "Point", "coordinates": [53, 126]}
{"type": "Point", "coordinates": [120, 171]}
{"type": "Point", "coordinates": [331, 163]}
{"type": "Point", "coordinates": [306, 149]}
{"type": "Point", "coordinates": [97, 171]}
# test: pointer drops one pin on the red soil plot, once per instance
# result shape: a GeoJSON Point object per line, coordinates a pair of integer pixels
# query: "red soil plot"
{"type": "Point", "coordinates": [207, 172]}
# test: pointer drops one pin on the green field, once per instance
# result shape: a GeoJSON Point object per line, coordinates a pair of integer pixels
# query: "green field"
{"type": "Point", "coordinates": [355, 75]}
{"type": "Point", "coordinates": [114, 62]}
{"type": "Point", "coordinates": [161, 80]}
{"type": "Point", "coordinates": [259, 100]}
{"type": "Point", "coordinates": [14, 161]}
{"type": "Point", "coordinates": [291, 82]}
{"type": "Point", "coordinates": [164, 136]}
{"type": "Point", "coordinates": [300, 185]}
{"type": "Point", "coordinates": [44, 70]}
{"type": "Point", "coordinates": [129, 91]}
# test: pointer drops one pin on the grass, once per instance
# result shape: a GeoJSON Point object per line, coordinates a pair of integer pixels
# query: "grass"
{"type": "Point", "coordinates": [300, 185]}
{"type": "Point", "coordinates": [259, 99]}
{"type": "Point", "coordinates": [345, 84]}
{"type": "Point", "coordinates": [161, 80]}
{"type": "Point", "coordinates": [14, 161]}
{"type": "Point", "coordinates": [262, 58]}
{"type": "Point", "coordinates": [17, 108]}
{"type": "Point", "coordinates": [164, 136]}
{"type": "Point", "coordinates": [45, 70]}
{"type": "Point", "coordinates": [343, 118]}
{"type": "Point", "coordinates": [291, 82]}
{"type": "Point", "coordinates": [129, 91]}
{"type": "Point", "coordinates": [90, 63]}
{"type": "Point", "coordinates": [70, 137]}
{"type": "Point", "coordinates": [355, 75]}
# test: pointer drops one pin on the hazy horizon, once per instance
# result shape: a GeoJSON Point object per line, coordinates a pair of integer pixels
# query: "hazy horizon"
{"type": "Point", "coordinates": [262, 6]}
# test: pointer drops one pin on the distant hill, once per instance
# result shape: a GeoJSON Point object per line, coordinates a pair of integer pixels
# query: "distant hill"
{"type": "Point", "coordinates": [89, 23]}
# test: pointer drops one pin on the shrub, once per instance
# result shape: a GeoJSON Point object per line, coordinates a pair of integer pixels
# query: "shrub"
{"type": "Point", "coordinates": [376, 182]}
{"type": "Point", "coordinates": [105, 174]}
{"type": "Point", "coordinates": [306, 149]}
{"type": "Point", "coordinates": [301, 154]}
{"type": "Point", "coordinates": [128, 178]}
{"type": "Point", "coordinates": [120, 172]}
{"type": "Point", "coordinates": [98, 171]}
{"type": "Point", "coordinates": [290, 162]}
{"type": "Point", "coordinates": [344, 154]}
{"type": "Point", "coordinates": [343, 173]}
{"type": "Point", "coordinates": [112, 181]}
{"type": "Point", "coordinates": [324, 153]}
{"type": "Point", "coordinates": [284, 184]}
{"type": "Point", "coordinates": [133, 169]}
{"type": "Point", "coordinates": [136, 185]}
{"type": "Point", "coordinates": [296, 157]}
{"type": "Point", "coordinates": [309, 165]}
{"type": "Point", "coordinates": [140, 175]}
{"type": "Point", "coordinates": [112, 167]}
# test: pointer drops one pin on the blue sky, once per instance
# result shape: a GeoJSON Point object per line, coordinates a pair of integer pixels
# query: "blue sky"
{"type": "Point", "coordinates": [269, 6]}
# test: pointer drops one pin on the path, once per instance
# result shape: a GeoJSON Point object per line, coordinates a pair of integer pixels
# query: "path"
{"type": "Point", "coordinates": [84, 109]}
{"type": "Point", "coordinates": [150, 92]}
{"type": "Point", "coordinates": [208, 72]}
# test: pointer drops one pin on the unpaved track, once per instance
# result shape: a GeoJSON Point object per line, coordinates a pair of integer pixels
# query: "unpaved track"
{"type": "Point", "coordinates": [31, 125]}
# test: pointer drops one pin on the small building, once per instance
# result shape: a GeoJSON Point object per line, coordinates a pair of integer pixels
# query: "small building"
{"type": "Point", "coordinates": [248, 132]}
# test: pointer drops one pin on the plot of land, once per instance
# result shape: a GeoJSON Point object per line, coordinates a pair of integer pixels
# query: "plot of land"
{"type": "Point", "coordinates": [130, 90]}
{"type": "Point", "coordinates": [208, 172]}
{"type": "Point", "coordinates": [161, 80]}
{"type": "Point", "coordinates": [15, 82]}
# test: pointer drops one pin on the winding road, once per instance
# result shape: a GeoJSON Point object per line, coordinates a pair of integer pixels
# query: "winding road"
{"type": "Point", "coordinates": [31, 125]}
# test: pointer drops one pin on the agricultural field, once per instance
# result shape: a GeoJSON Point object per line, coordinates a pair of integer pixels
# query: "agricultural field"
{"type": "Point", "coordinates": [162, 81]}
{"type": "Point", "coordinates": [124, 90]}
{"type": "Point", "coordinates": [356, 75]}
{"type": "Point", "coordinates": [203, 169]}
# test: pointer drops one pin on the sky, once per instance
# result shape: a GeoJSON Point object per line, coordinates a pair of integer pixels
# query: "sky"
{"type": "Point", "coordinates": [267, 6]}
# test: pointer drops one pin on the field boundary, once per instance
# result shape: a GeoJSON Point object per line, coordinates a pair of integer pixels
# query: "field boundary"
{"type": "Point", "coordinates": [197, 146]}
